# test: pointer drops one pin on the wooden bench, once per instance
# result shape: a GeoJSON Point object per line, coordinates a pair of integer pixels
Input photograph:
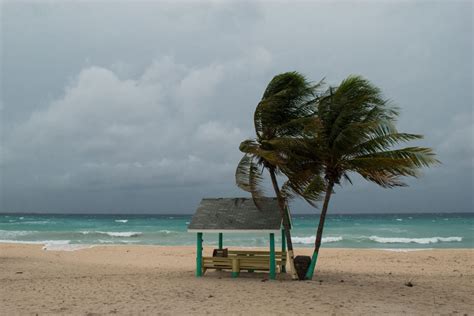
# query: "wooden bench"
{"type": "Point", "coordinates": [250, 260]}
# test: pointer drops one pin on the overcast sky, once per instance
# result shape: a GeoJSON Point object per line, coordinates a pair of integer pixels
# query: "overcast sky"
{"type": "Point", "coordinates": [141, 106]}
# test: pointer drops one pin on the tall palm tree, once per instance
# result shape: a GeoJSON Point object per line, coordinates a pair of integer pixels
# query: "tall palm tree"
{"type": "Point", "coordinates": [278, 118]}
{"type": "Point", "coordinates": [353, 131]}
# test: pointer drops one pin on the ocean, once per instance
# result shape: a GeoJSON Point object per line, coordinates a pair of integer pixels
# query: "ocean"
{"type": "Point", "coordinates": [400, 232]}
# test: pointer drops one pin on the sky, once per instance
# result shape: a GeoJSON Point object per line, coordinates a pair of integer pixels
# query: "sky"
{"type": "Point", "coordinates": [140, 107]}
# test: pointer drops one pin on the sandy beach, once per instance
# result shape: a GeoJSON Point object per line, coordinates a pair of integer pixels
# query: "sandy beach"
{"type": "Point", "coordinates": [156, 280]}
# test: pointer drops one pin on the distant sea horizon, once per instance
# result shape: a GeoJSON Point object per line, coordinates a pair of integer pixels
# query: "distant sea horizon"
{"type": "Point", "coordinates": [392, 231]}
{"type": "Point", "coordinates": [191, 214]}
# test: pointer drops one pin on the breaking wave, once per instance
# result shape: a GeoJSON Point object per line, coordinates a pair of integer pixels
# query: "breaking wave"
{"type": "Point", "coordinates": [15, 233]}
{"type": "Point", "coordinates": [404, 250]}
{"type": "Point", "coordinates": [114, 234]}
{"type": "Point", "coordinates": [121, 220]}
{"type": "Point", "coordinates": [423, 241]}
{"type": "Point", "coordinates": [165, 231]}
{"type": "Point", "coordinates": [312, 239]}
{"type": "Point", "coordinates": [8, 241]}
{"type": "Point", "coordinates": [121, 234]}
{"type": "Point", "coordinates": [382, 240]}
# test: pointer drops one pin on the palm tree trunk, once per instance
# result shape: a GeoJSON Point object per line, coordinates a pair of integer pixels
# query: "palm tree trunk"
{"type": "Point", "coordinates": [286, 223]}
{"type": "Point", "coordinates": [319, 234]}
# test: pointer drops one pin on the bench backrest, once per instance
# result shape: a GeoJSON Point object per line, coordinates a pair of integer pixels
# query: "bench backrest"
{"type": "Point", "coordinates": [244, 262]}
{"type": "Point", "coordinates": [255, 252]}
{"type": "Point", "coordinates": [279, 255]}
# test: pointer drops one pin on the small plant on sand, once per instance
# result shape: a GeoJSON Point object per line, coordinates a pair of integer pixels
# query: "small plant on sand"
{"type": "Point", "coordinates": [409, 283]}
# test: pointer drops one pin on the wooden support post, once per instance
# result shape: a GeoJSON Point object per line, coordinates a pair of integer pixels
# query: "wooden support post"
{"type": "Point", "coordinates": [283, 240]}
{"type": "Point", "coordinates": [220, 241]}
{"type": "Point", "coordinates": [283, 248]}
{"type": "Point", "coordinates": [199, 255]}
{"type": "Point", "coordinates": [272, 257]}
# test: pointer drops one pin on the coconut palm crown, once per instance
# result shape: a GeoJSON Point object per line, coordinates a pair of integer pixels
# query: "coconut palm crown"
{"type": "Point", "coordinates": [279, 117]}
{"type": "Point", "coordinates": [353, 132]}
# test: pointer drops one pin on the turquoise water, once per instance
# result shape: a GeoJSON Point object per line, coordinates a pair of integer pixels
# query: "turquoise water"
{"type": "Point", "coordinates": [395, 231]}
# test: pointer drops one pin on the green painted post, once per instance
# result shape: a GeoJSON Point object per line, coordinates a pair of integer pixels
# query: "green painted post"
{"type": "Point", "coordinates": [283, 248]}
{"type": "Point", "coordinates": [220, 240]}
{"type": "Point", "coordinates": [272, 257]}
{"type": "Point", "coordinates": [199, 255]}
{"type": "Point", "coordinates": [309, 273]}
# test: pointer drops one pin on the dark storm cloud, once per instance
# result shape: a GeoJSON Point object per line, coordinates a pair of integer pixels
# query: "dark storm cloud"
{"type": "Point", "coordinates": [140, 107]}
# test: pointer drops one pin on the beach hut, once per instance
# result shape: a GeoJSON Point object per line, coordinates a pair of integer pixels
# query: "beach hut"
{"type": "Point", "coordinates": [239, 215]}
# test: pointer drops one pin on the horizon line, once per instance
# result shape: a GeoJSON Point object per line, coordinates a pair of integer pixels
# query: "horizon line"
{"type": "Point", "coordinates": [190, 214]}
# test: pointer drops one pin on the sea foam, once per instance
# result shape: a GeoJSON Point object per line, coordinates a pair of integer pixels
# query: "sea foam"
{"type": "Point", "coordinates": [51, 245]}
{"type": "Point", "coordinates": [14, 233]}
{"type": "Point", "coordinates": [424, 241]}
{"type": "Point", "coordinates": [121, 234]}
{"type": "Point", "coordinates": [27, 242]}
{"type": "Point", "coordinates": [121, 220]}
{"type": "Point", "coordinates": [167, 232]}
{"type": "Point", "coordinates": [63, 245]}
{"type": "Point", "coordinates": [312, 239]}
{"type": "Point", "coordinates": [113, 234]}
{"type": "Point", "coordinates": [403, 250]}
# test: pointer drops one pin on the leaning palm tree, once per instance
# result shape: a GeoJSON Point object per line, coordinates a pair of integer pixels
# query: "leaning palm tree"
{"type": "Point", "coordinates": [353, 131]}
{"type": "Point", "coordinates": [278, 118]}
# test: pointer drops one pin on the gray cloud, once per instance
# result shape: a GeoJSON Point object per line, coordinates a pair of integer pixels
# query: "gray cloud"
{"type": "Point", "coordinates": [154, 130]}
{"type": "Point", "coordinates": [141, 106]}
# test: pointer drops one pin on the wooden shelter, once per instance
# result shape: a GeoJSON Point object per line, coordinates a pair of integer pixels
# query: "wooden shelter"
{"type": "Point", "coordinates": [239, 215]}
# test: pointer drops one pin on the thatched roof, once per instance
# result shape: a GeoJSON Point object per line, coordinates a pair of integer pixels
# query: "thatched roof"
{"type": "Point", "coordinates": [236, 215]}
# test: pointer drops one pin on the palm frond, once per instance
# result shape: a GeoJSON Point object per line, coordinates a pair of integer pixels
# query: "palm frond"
{"type": "Point", "coordinates": [303, 182]}
{"type": "Point", "coordinates": [248, 177]}
{"type": "Point", "coordinates": [355, 102]}
{"type": "Point", "coordinates": [288, 96]}
{"type": "Point", "coordinates": [383, 178]}
{"type": "Point", "coordinates": [315, 189]}
{"type": "Point", "coordinates": [414, 156]}
{"type": "Point", "coordinates": [269, 155]}
{"type": "Point", "coordinates": [382, 142]}
{"type": "Point", "coordinates": [387, 167]}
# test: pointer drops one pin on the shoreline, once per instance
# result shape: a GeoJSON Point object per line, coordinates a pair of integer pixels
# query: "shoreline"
{"type": "Point", "coordinates": [50, 245]}
{"type": "Point", "coordinates": [191, 214]}
{"type": "Point", "coordinates": [149, 279]}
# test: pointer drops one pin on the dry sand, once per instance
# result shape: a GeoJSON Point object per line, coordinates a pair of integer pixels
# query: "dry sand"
{"type": "Point", "coordinates": [143, 280]}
